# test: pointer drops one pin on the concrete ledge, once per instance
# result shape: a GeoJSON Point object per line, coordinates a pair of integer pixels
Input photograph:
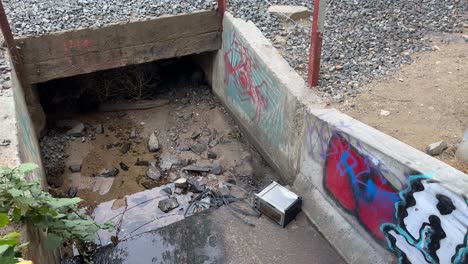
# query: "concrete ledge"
{"type": "Point", "coordinates": [82, 51]}
{"type": "Point", "coordinates": [369, 194]}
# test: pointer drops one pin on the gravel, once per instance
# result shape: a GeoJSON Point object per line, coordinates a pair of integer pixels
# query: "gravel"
{"type": "Point", "coordinates": [37, 17]}
{"type": "Point", "coordinates": [363, 39]}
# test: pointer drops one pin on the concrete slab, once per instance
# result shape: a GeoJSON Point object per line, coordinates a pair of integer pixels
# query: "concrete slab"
{"type": "Point", "coordinates": [216, 236]}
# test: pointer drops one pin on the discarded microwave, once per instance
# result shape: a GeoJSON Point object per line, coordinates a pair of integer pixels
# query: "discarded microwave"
{"type": "Point", "coordinates": [278, 203]}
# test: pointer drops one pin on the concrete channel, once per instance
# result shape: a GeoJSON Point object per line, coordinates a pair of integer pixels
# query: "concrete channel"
{"type": "Point", "coordinates": [367, 198]}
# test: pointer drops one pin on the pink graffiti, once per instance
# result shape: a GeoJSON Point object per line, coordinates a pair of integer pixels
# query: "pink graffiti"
{"type": "Point", "coordinates": [241, 72]}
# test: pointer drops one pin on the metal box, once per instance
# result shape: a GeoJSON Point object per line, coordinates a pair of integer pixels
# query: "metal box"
{"type": "Point", "coordinates": [278, 203]}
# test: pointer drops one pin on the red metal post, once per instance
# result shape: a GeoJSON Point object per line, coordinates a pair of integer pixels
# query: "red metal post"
{"type": "Point", "coordinates": [221, 10]}
{"type": "Point", "coordinates": [10, 41]}
{"type": "Point", "coordinates": [316, 42]}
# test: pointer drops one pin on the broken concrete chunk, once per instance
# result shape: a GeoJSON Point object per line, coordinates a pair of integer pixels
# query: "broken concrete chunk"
{"type": "Point", "coordinates": [125, 148]}
{"type": "Point", "coordinates": [74, 168]}
{"type": "Point", "coordinates": [168, 204]}
{"type": "Point", "coordinates": [293, 12]}
{"type": "Point", "coordinates": [436, 148]}
{"type": "Point", "coordinates": [123, 166]}
{"type": "Point", "coordinates": [153, 173]}
{"type": "Point", "coordinates": [166, 190]}
{"type": "Point", "coordinates": [168, 160]}
{"type": "Point", "coordinates": [109, 172]}
{"type": "Point", "coordinates": [178, 191]}
{"type": "Point", "coordinates": [217, 168]}
{"type": "Point", "coordinates": [77, 131]}
{"type": "Point", "coordinates": [153, 143]}
{"type": "Point", "coordinates": [181, 183]}
{"type": "Point", "coordinates": [99, 129]}
{"type": "Point", "coordinates": [196, 186]}
{"type": "Point", "coordinates": [198, 148]}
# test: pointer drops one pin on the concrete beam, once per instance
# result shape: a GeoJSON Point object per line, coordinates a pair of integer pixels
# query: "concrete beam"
{"type": "Point", "coordinates": [82, 51]}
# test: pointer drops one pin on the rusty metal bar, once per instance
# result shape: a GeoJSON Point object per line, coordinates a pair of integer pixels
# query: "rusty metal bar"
{"type": "Point", "coordinates": [221, 10]}
{"type": "Point", "coordinates": [10, 41]}
{"type": "Point", "coordinates": [316, 39]}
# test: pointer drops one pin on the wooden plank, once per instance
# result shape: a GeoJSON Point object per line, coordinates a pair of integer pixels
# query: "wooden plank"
{"type": "Point", "coordinates": [119, 57]}
{"type": "Point", "coordinates": [75, 43]}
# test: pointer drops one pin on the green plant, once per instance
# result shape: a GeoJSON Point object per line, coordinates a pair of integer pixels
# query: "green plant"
{"type": "Point", "coordinates": [61, 219]}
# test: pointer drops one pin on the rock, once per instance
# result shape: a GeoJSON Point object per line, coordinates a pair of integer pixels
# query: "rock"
{"type": "Point", "coordinates": [133, 133]}
{"type": "Point", "coordinates": [339, 67]}
{"type": "Point", "coordinates": [196, 186]}
{"type": "Point", "coordinates": [212, 155]}
{"type": "Point", "coordinates": [212, 177]}
{"type": "Point", "coordinates": [195, 134]}
{"type": "Point", "coordinates": [462, 151]}
{"type": "Point", "coordinates": [125, 148]}
{"type": "Point", "coordinates": [384, 112]}
{"type": "Point", "coordinates": [182, 146]}
{"type": "Point", "coordinates": [295, 13]}
{"type": "Point", "coordinates": [178, 191]}
{"type": "Point", "coordinates": [198, 148]}
{"type": "Point", "coordinates": [72, 191]}
{"type": "Point", "coordinates": [109, 172]}
{"type": "Point", "coordinates": [123, 166]}
{"type": "Point", "coordinates": [436, 148]}
{"type": "Point", "coordinates": [153, 143]}
{"type": "Point", "coordinates": [99, 129]}
{"type": "Point", "coordinates": [216, 169]}
{"type": "Point", "coordinates": [153, 173]}
{"type": "Point", "coordinates": [168, 204]}
{"type": "Point", "coordinates": [213, 143]}
{"type": "Point", "coordinates": [166, 190]}
{"type": "Point", "coordinates": [77, 131]}
{"type": "Point", "coordinates": [75, 168]}
{"type": "Point", "coordinates": [168, 160]}
{"type": "Point", "coordinates": [181, 183]}
{"type": "Point", "coordinates": [150, 184]}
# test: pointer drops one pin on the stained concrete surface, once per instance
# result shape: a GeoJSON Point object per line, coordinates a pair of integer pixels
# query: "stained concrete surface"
{"type": "Point", "coordinates": [216, 236]}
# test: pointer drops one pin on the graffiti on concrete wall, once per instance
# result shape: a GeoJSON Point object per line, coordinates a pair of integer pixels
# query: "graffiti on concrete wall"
{"type": "Point", "coordinates": [251, 88]}
{"type": "Point", "coordinates": [431, 224]}
{"type": "Point", "coordinates": [358, 186]}
{"type": "Point", "coordinates": [423, 223]}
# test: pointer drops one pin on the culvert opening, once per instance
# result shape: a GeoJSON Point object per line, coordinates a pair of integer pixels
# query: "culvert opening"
{"type": "Point", "coordinates": [139, 144]}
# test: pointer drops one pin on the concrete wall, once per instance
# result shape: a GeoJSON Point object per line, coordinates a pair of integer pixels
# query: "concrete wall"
{"type": "Point", "coordinates": [19, 128]}
{"type": "Point", "coordinates": [377, 200]}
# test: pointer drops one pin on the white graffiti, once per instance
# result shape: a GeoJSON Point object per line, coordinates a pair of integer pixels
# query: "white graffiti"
{"type": "Point", "coordinates": [432, 224]}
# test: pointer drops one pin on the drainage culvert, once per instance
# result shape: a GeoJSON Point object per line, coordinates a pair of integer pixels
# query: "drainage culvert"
{"type": "Point", "coordinates": [140, 144]}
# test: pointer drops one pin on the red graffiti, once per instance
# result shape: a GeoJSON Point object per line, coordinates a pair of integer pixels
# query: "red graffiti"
{"type": "Point", "coordinates": [71, 46]}
{"type": "Point", "coordinates": [358, 186]}
{"type": "Point", "coordinates": [239, 68]}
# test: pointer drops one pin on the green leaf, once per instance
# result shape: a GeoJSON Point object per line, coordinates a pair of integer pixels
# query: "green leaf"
{"type": "Point", "coordinates": [27, 167]}
{"type": "Point", "coordinates": [4, 220]}
{"type": "Point", "coordinates": [15, 192]}
{"type": "Point", "coordinates": [4, 248]}
{"type": "Point", "coordinates": [64, 202]}
{"type": "Point", "coordinates": [52, 241]}
{"type": "Point", "coordinates": [11, 235]}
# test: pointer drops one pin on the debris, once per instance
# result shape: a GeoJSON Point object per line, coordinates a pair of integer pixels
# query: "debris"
{"type": "Point", "coordinates": [182, 146]}
{"type": "Point", "coordinates": [196, 186]}
{"type": "Point", "coordinates": [153, 143]}
{"type": "Point", "coordinates": [436, 148]}
{"type": "Point", "coordinates": [153, 173]}
{"type": "Point", "coordinates": [5, 142]}
{"type": "Point", "coordinates": [72, 191]}
{"type": "Point", "coordinates": [462, 151]}
{"type": "Point", "coordinates": [290, 11]}
{"type": "Point", "coordinates": [123, 166]}
{"type": "Point", "coordinates": [77, 131]}
{"type": "Point", "coordinates": [109, 172]}
{"type": "Point", "coordinates": [168, 204]}
{"type": "Point", "coordinates": [196, 134]}
{"type": "Point", "coordinates": [198, 148]}
{"type": "Point", "coordinates": [181, 183]}
{"type": "Point", "coordinates": [196, 168]}
{"type": "Point", "coordinates": [150, 184]}
{"type": "Point", "coordinates": [216, 168]}
{"type": "Point", "coordinates": [133, 133]}
{"type": "Point", "coordinates": [168, 160]}
{"type": "Point", "coordinates": [75, 168]}
{"type": "Point", "coordinates": [178, 190]}
{"type": "Point", "coordinates": [384, 112]}
{"type": "Point", "coordinates": [212, 155]}
{"type": "Point", "coordinates": [141, 162]}
{"type": "Point", "coordinates": [125, 148]}
{"type": "Point", "coordinates": [167, 190]}
{"type": "Point", "coordinates": [99, 129]}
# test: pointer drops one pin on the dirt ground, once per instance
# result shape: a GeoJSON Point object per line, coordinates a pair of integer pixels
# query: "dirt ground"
{"type": "Point", "coordinates": [427, 100]}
